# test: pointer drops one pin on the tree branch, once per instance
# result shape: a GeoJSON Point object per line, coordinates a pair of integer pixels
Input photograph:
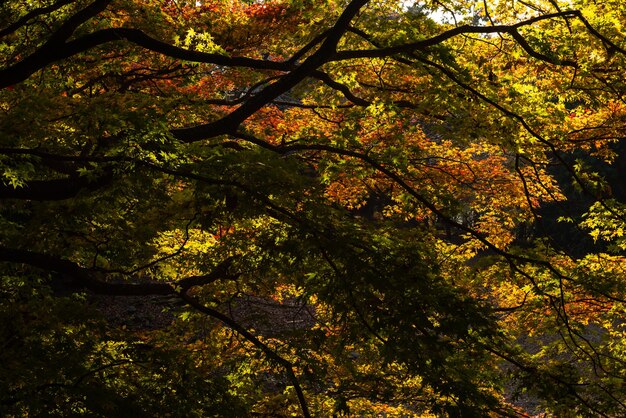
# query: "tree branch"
{"type": "Point", "coordinates": [229, 123]}
{"type": "Point", "coordinates": [33, 14]}
{"type": "Point", "coordinates": [70, 25]}
{"type": "Point", "coordinates": [460, 30]}
{"type": "Point", "coordinates": [271, 354]}
{"type": "Point", "coordinates": [95, 281]}
{"type": "Point", "coordinates": [48, 54]}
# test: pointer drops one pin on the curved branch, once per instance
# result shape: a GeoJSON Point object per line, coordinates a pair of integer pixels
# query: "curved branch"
{"type": "Point", "coordinates": [229, 123]}
{"type": "Point", "coordinates": [271, 354]}
{"type": "Point", "coordinates": [33, 14]}
{"type": "Point", "coordinates": [81, 276]}
{"type": "Point", "coordinates": [95, 281]}
{"type": "Point", "coordinates": [461, 30]}
{"type": "Point", "coordinates": [49, 54]}
{"type": "Point", "coordinates": [342, 88]}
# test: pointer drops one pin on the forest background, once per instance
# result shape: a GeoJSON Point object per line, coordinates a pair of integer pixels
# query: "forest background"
{"type": "Point", "coordinates": [312, 208]}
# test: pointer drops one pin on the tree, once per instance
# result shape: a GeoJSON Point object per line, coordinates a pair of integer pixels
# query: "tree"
{"type": "Point", "coordinates": [401, 178]}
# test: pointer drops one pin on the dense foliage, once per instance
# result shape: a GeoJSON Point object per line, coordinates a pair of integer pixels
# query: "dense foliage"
{"type": "Point", "coordinates": [341, 208]}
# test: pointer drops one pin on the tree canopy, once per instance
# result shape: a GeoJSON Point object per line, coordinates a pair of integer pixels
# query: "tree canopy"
{"type": "Point", "coordinates": [360, 208]}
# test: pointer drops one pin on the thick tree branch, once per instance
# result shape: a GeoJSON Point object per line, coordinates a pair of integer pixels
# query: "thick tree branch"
{"type": "Point", "coordinates": [48, 55]}
{"type": "Point", "coordinates": [33, 14]}
{"type": "Point", "coordinates": [96, 282]}
{"type": "Point", "coordinates": [229, 123]}
{"type": "Point", "coordinates": [81, 276]}
{"type": "Point", "coordinates": [461, 30]}
{"type": "Point", "coordinates": [68, 27]}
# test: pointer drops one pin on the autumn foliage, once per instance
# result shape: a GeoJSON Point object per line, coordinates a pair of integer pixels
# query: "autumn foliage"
{"type": "Point", "coordinates": [296, 208]}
